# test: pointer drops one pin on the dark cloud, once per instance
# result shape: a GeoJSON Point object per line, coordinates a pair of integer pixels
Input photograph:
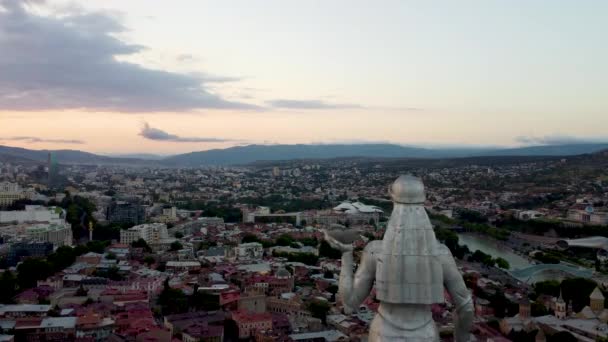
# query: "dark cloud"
{"type": "Point", "coordinates": [160, 135]}
{"type": "Point", "coordinates": [33, 140]}
{"type": "Point", "coordinates": [309, 104]}
{"type": "Point", "coordinates": [557, 140]}
{"type": "Point", "coordinates": [68, 61]}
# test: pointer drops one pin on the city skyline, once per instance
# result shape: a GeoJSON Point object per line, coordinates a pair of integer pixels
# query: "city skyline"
{"type": "Point", "coordinates": [127, 77]}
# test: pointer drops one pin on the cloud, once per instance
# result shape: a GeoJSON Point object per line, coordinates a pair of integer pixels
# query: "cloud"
{"type": "Point", "coordinates": [558, 140]}
{"type": "Point", "coordinates": [69, 61]}
{"type": "Point", "coordinates": [33, 140]}
{"type": "Point", "coordinates": [152, 133]}
{"type": "Point", "coordinates": [309, 104]}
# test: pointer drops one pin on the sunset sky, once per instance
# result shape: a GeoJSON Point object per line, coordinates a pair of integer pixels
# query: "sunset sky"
{"type": "Point", "coordinates": [125, 76]}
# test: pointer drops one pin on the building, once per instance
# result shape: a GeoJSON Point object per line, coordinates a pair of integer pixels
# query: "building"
{"type": "Point", "coordinates": [58, 235]}
{"type": "Point", "coordinates": [252, 301]}
{"type": "Point", "coordinates": [125, 213]}
{"type": "Point", "coordinates": [24, 310]}
{"type": "Point", "coordinates": [248, 251]}
{"type": "Point", "coordinates": [34, 213]}
{"type": "Point", "coordinates": [22, 250]}
{"type": "Point", "coordinates": [250, 323]}
{"type": "Point", "coordinates": [9, 193]}
{"type": "Point", "coordinates": [150, 232]}
{"type": "Point", "coordinates": [203, 332]}
{"type": "Point", "coordinates": [263, 215]}
{"type": "Point", "coordinates": [588, 216]}
{"type": "Point", "coordinates": [181, 266]}
{"type": "Point", "coordinates": [328, 336]}
{"type": "Point", "coordinates": [94, 327]}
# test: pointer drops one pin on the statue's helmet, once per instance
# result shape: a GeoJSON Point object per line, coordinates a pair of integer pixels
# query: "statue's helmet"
{"type": "Point", "coordinates": [407, 189]}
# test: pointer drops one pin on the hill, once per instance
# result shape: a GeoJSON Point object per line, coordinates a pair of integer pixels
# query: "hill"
{"type": "Point", "coordinates": [248, 154]}
{"type": "Point", "coordinates": [65, 156]}
{"type": "Point", "coordinates": [242, 155]}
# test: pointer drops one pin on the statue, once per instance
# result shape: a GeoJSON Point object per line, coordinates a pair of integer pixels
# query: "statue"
{"type": "Point", "coordinates": [410, 268]}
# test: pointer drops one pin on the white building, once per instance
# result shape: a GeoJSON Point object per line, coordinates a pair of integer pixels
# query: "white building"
{"type": "Point", "coordinates": [9, 193]}
{"type": "Point", "coordinates": [34, 213]}
{"type": "Point", "coordinates": [248, 251]}
{"type": "Point", "coordinates": [150, 232]}
{"type": "Point", "coordinates": [357, 208]}
{"type": "Point", "coordinates": [58, 235]}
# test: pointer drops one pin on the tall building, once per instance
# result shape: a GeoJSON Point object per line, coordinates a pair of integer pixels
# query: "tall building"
{"type": "Point", "coordinates": [125, 212]}
{"type": "Point", "coordinates": [52, 169]}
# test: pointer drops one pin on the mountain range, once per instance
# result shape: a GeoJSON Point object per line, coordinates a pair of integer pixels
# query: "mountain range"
{"type": "Point", "coordinates": [241, 155]}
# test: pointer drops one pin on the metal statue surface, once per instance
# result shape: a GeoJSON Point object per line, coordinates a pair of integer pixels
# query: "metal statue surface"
{"type": "Point", "coordinates": [410, 269]}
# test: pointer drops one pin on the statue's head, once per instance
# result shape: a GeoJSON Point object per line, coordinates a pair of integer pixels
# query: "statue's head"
{"type": "Point", "coordinates": [407, 189]}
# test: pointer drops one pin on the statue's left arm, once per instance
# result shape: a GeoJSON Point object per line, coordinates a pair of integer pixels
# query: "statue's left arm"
{"type": "Point", "coordinates": [461, 297]}
{"type": "Point", "coordinates": [354, 290]}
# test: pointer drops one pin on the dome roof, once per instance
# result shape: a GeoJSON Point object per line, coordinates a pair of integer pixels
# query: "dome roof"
{"type": "Point", "coordinates": [407, 189]}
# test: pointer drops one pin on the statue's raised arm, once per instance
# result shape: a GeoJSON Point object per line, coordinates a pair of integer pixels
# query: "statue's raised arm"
{"type": "Point", "coordinates": [410, 268]}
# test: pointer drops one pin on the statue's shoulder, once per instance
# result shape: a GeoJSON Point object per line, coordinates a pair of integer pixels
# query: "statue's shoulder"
{"type": "Point", "coordinates": [373, 247]}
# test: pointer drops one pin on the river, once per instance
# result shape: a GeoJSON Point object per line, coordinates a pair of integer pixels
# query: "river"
{"type": "Point", "coordinates": [494, 248]}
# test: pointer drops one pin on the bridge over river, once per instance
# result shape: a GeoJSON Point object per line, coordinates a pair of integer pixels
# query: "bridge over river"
{"type": "Point", "coordinates": [522, 268]}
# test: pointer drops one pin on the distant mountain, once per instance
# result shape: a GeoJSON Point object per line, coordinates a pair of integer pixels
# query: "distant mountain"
{"type": "Point", "coordinates": [549, 150]}
{"type": "Point", "coordinates": [241, 155]}
{"type": "Point", "coordinates": [146, 156]}
{"type": "Point", "coordinates": [251, 153]}
{"type": "Point", "coordinates": [65, 156]}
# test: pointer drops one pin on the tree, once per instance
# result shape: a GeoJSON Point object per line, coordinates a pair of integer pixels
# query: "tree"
{"type": "Point", "coordinates": [179, 235]}
{"type": "Point", "coordinates": [247, 238]}
{"type": "Point", "coordinates": [32, 270]}
{"type": "Point", "coordinates": [562, 336]}
{"type": "Point", "coordinates": [81, 292]}
{"type": "Point", "coordinates": [148, 260]}
{"type": "Point", "coordinates": [319, 309]}
{"type": "Point", "coordinates": [172, 300]}
{"type": "Point", "coordinates": [538, 309]}
{"type": "Point", "coordinates": [8, 287]}
{"type": "Point", "coordinates": [326, 251]}
{"type": "Point", "coordinates": [141, 243]}
{"type": "Point", "coordinates": [502, 263]}
{"type": "Point", "coordinates": [284, 240]}
{"type": "Point", "coordinates": [577, 290]}
{"type": "Point", "coordinates": [328, 274]}
{"type": "Point", "coordinates": [175, 246]}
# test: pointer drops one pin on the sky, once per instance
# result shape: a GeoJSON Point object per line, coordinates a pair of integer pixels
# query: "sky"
{"type": "Point", "coordinates": [165, 77]}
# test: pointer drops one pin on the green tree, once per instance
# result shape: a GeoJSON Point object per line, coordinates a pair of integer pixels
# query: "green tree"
{"type": "Point", "coordinates": [141, 243]}
{"type": "Point", "coordinates": [8, 287]}
{"type": "Point", "coordinates": [175, 246]}
{"type": "Point", "coordinates": [562, 336]}
{"type": "Point", "coordinates": [149, 260]}
{"type": "Point", "coordinates": [179, 235]}
{"type": "Point", "coordinates": [319, 309]}
{"type": "Point", "coordinates": [538, 309]}
{"type": "Point", "coordinates": [32, 270]}
{"type": "Point", "coordinates": [172, 300]}
{"type": "Point", "coordinates": [284, 240]}
{"type": "Point", "coordinates": [502, 263]}
{"type": "Point", "coordinates": [247, 238]}
{"type": "Point", "coordinates": [326, 251]}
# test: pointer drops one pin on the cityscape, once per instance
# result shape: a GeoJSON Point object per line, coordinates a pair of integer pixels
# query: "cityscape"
{"type": "Point", "coordinates": [202, 171]}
